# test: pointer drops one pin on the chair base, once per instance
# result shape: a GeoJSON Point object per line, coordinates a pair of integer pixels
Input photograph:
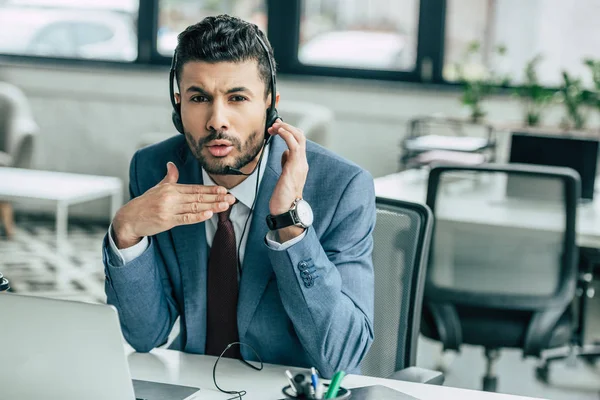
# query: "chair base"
{"type": "Point", "coordinates": [489, 382]}
{"type": "Point", "coordinates": [588, 353]}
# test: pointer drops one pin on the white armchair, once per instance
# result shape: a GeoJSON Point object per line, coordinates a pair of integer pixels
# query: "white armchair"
{"type": "Point", "coordinates": [17, 132]}
{"type": "Point", "coordinates": [17, 128]}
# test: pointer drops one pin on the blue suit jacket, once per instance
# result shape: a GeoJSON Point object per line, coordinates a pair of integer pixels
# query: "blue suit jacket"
{"type": "Point", "coordinates": [322, 317]}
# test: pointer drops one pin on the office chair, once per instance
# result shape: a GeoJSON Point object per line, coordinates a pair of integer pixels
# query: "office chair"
{"type": "Point", "coordinates": [401, 244]}
{"type": "Point", "coordinates": [503, 264]}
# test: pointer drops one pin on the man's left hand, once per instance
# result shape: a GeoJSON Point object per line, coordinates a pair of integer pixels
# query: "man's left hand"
{"type": "Point", "coordinates": [294, 167]}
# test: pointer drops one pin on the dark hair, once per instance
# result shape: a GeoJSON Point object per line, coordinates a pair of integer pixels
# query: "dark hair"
{"type": "Point", "coordinates": [224, 39]}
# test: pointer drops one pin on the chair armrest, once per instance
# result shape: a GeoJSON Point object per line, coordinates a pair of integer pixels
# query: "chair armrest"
{"type": "Point", "coordinates": [419, 375]}
{"type": "Point", "coordinates": [22, 151]}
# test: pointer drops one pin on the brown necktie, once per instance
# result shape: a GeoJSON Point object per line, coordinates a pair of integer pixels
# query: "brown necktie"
{"type": "Point", "coordinates": [222, 290]}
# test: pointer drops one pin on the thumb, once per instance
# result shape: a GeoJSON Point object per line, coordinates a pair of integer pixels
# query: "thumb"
{"type": "Point", "coordinates": [172, 174]}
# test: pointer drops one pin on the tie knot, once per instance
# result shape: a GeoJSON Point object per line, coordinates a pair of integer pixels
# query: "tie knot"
{"type": "Point", "coordinates": [224, 215]}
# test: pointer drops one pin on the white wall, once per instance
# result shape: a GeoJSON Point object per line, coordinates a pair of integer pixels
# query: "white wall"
{"type": "Point", "coordinates": [91, 119]}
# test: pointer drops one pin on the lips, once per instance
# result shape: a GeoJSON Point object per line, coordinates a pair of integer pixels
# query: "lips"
{"type": "Point", "coordinates": [220, 150]}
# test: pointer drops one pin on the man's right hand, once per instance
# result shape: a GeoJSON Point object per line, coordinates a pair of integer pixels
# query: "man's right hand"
{"type": "Point", "coordinates": [166, 205]}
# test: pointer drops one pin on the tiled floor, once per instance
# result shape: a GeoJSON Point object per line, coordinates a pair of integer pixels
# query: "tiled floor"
{"type": "Point", "coordinates": [32, 264]}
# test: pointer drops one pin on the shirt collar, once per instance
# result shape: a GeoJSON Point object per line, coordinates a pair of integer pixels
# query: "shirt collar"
{"type": "Point", "coordinates": [246, 190]}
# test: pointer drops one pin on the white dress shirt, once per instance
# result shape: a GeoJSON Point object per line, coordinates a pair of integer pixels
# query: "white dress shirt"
{"type": "Point", "coordinates": [244, 193]}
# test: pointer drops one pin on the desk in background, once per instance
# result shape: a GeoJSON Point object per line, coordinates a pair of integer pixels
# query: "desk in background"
{"type": "Point", "coordinates": [411, 185]}
{"type": "Point", "coordinates": [174, 367]}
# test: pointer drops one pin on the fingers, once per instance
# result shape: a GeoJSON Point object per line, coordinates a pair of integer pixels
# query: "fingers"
{"type": "Point", "coordinates": [205, 198]}
{"type": "Point", "coordinates": [200, 189]}
{"type": "Point", "coordinates": [294, 137]}
{"type": "Point", "coordinates": [193, 218]}
{"type": "Point", "coordinates": [196, 208]}
{"type": "Point", "coordinates": [298, 135]}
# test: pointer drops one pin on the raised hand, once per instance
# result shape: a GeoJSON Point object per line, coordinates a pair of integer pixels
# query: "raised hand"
{"type": "Point", "coordinates": [166, 205]}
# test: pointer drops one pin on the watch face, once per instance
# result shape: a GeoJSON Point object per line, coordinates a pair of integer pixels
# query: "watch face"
{"type": "Point", "coordinates": [304, 213]}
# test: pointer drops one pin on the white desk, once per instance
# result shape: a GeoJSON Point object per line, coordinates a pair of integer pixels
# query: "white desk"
{"type": "Point", "coordinates": [196, 370]}
{"type": "Point", "coordinates": [411, 185]}
{"type": "Point", "coordinates": [63, 188]}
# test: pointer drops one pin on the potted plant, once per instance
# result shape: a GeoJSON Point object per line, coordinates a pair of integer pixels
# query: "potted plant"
{"type": "Point", "coordinates": [534, 96]}
{"type": "Point", "coordinates": [594, 66]}
{"type": "Point", "coordinates": [575, 98]}
{"type": "Point", "coordinates": [478, 80]}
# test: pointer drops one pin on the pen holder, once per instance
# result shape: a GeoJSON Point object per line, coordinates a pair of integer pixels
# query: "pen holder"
{"type": "Point", "coordinates": [343, 393]}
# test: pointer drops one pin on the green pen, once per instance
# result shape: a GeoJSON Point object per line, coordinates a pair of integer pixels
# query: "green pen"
{"type": "Point", "coordinates": [334, 386]}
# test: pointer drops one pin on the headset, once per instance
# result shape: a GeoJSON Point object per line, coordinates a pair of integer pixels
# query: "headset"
{"type": "Point", "coordinates": [272, 114]}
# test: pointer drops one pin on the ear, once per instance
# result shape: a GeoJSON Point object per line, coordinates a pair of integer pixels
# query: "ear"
{"type": "Point", "coordinates": [177, 98]}
{"type": "Point", "coordinates": [268, 102]}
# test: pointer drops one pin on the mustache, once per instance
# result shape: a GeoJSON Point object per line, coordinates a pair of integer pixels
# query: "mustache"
{"type": "Point", "coordinates": [220, 135]}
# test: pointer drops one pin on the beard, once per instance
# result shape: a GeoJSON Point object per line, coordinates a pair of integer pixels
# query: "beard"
{"type": "Point", "coordinates": [248, 151]}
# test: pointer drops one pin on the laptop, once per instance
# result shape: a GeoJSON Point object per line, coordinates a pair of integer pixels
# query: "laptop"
{"type": "Point", "coordinates": [57, 349]}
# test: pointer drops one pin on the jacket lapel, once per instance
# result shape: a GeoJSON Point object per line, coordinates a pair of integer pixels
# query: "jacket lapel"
{"type": "Point", "coordinates": [256, 268]}
{"type": "Point", "coordinates": [192, 254]}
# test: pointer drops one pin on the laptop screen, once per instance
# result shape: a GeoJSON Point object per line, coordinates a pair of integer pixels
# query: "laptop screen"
{"type": "Point", "coordinates": [580, 154]}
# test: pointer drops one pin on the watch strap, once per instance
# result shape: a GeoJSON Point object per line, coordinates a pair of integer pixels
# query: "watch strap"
{"type": "Point", "coordinates": [284, 220]}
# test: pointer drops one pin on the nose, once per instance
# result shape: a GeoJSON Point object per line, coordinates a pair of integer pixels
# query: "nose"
{"type": "Point", "coordinates": [217, 119]}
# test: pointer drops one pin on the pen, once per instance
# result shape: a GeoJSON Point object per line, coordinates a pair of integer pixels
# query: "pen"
{"type": "Point", "coordinates": [319, 392]}
{"type": "Point", "coordinates": [334, 386]}
{"type": "Point", "coordinates": [290, 378]}
{"type": "Point", "coordinates": [314, 378]}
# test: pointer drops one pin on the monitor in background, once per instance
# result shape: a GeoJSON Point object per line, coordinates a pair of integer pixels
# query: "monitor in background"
{"type": "Point", "coordinates": [580, 154]}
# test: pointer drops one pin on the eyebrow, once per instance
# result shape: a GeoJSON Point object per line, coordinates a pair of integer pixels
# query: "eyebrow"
{"type": "Point", "coordinates": [237, 89]}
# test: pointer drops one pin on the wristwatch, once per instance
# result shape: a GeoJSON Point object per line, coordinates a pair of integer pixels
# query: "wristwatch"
{"type": "Point", "coordinates": [300, 215]}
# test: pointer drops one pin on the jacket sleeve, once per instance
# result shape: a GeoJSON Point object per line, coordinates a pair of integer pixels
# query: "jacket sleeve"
{"type": "Point", "coordinates": [327, 284]}
{"type": "Point", "coordinates": [140, 289]}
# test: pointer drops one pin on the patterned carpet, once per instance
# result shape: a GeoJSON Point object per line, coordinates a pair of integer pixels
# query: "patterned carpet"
{"type": "Point", "coordinates": [32, 264]}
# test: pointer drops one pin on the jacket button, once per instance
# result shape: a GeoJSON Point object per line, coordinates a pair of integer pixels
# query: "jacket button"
{"type": "Point", "coordinates": [309, 283]}
{"type": "Point", "coordinates": [302, 265]}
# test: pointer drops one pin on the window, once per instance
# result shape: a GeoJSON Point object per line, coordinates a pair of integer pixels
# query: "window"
{"type": "Point", "coordinates": [375, 34]}
{"type": "Point", "coordinates": [562, 34]}
{"type": "Point", "coordinates": [396, 40]}
{"type": "Point", "coordinates": [93, 29]}
{"type": "Point", "coordinates": [176, 15]}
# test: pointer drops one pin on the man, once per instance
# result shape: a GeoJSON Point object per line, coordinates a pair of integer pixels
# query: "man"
{"type": "Point", "coordinates": [299, 294]}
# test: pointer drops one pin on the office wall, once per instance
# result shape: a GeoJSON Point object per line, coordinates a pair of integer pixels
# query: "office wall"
{"type": "Point", "coordinates": [91, 119]}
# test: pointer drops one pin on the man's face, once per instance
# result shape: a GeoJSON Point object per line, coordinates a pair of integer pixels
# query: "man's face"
{"type": "Point", "coordinates": [223, 109]}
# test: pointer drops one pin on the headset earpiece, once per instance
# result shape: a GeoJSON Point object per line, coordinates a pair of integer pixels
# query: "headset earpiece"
{"type": "Point", "coordinates": [272, 116]}
{"type": "Point", "coordinates": [176, 117]}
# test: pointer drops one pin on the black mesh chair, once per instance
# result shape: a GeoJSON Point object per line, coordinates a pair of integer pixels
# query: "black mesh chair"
{"type": "Point", "coordinates": [401, 244]}
{"type": "Point", "coordinates": [503, 264]}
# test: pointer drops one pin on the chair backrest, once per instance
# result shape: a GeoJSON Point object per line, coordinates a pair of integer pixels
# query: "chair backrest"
{"type": "Point", "coordinates": [401, 243]}
{"type": "Point", "coordinates": [503, 241]}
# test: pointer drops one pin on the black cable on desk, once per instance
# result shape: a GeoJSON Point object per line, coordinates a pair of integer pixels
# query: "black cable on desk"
{"type": "Point", "coordinates": [240, 393]}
